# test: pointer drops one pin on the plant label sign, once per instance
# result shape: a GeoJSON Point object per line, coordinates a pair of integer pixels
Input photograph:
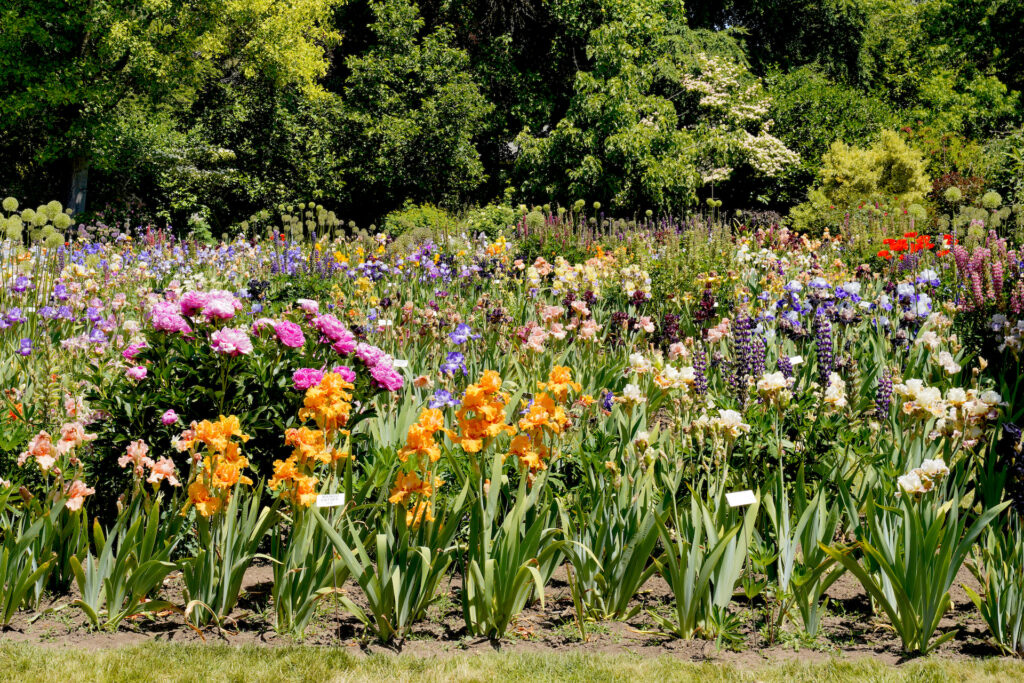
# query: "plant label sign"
{"type": "Point", "coordinates": [330, 500]}
{"type": "Point", "coordinates": [739, 498]}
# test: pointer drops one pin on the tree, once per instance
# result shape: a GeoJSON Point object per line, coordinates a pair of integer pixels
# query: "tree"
{"type": "Point", "coordinates": [412, 111]}
{"type": "Point", "coordinates": [70, 65]}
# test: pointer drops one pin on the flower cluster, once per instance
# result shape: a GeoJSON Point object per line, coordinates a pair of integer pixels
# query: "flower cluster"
{"type": "Point", "coordinates": [923, 479]}
{"type": "Point", "coordinates": [218, 467]}
{"type": "Point", "coordinates": [481, 416]}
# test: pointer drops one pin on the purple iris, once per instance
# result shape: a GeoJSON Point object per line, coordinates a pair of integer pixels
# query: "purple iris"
{"type": "Point", "coordinates": [608, 400]}
{"type": "Point", "coordinates": [455, 362]}
{"type": "Point", "coordinates": [21, 284]}
{"type": "Point", "coordinates": [26, 347]}
{"type": "Point", "coordinates": [14, 316]}
{"type": "Point", "coordinates": [462, 334]}
{"type": "Point", "coordinates": [443, 399]}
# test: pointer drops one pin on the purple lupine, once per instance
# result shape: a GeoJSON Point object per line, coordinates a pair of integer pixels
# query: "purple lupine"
{"type": "Point", "coordinates": [700, 371]}
{"type": "Point", "coordinates": [823, 344]}
{"type": "Point", "coordinates": [785, 366]}
{"type": "Point", "coordinates": [883, 393]}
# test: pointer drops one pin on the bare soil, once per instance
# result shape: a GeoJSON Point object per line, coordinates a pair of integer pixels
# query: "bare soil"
{"type": "Point", "coordinates": [849, 629]}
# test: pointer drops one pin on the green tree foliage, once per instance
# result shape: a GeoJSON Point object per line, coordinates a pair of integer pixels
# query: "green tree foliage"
{"type": "Point", "coordinates": [213, 110]}
{"type": "Point", "coordinates": [412, 111]}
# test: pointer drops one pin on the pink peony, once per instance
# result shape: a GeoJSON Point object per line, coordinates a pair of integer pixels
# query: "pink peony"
{"type": "Point", "coordinates": [309, 306]}
{"type": "Point", "coordinates": [221, 309]}
{"type": "Point", "coordinates": [371, 355]}
{"type": "Point", "coordinates": [289, 334]}
{"type": "Point", "coordinates": [165, 317]}
{"type": "Point", "coordinates": [231, 341]}
{"type": "Point", "coordinates": [346, 373]}
{"type": "Point", "coordinates": [168, 418]}
{"type": "Point", "coordinates": [192, 303]}
{"type": "Point", "coordinates": [330, 327]}
{"type": "Point", "coordinates": [386, 377]}
{"type": "Point", "coordinates": [137, 373]}
{"type": "Point", "coordinates": [304, 378]}
{"type": "Point", "coordinates": [133, 350]}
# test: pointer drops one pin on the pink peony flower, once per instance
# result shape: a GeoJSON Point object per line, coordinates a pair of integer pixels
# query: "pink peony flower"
{"type": "Point", "coordinates": [289, 334]}
{"type": "Point", "coordinates": [346, 373]}
{"type": "Point", "coordinates": [163, 469]}
{"type": "Point", "coordinates": [386, 377]}
{"type": "Point", "coordinates": [304, 378]}
{"type": "Point", "coordinates": [261, 323]}
{"type": "Point", "coordinates": [231, 341]}
{"type": "Point", "coordinates": [330, 327]}
{"type": "Point", "coordinates": [166, 317]}
{"type": "Point", "coordinates": [192, 303]}
{"type": "Point", "coordinates": [219, 308]}
{"type": "Point", "coordinates": [169, 417]}
{"type": "Point", "coordinates": [371, 355]}
{"type": "Point", "coordinates": [133, 350]}
{"type": "Point", "coordinates": [76, 492]}
{"type": "Point", "coordinates": [309, 306]}
{"type": "Point", "coordinates": [137, 373]}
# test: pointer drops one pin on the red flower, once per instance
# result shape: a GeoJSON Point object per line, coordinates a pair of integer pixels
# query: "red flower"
{"type": "Point", "coordinates": [885, 254]}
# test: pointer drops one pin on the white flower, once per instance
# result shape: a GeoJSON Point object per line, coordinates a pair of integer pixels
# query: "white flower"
{"type": "Point", "coordinates": [933, 469]}
{"type": "Point", "coordinates": [835, 393]}
{"type": "Point", "coordinates": [948, 364]}
{"type": "Point", "coordinates": [631, 394]}
{"type": "Point", "coordinates": [731, 423]}
{"type": "Point", "coordinates": [911, 483]}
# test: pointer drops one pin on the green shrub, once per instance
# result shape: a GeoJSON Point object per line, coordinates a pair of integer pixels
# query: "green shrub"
{"type": "Point", "coordinates": [412, 217]}
{"type": "Point", "coordinates": [888, 173]}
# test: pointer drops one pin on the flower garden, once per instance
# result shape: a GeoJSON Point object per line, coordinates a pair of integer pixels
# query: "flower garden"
{"type": "Point", "coordinates": [570, 432]}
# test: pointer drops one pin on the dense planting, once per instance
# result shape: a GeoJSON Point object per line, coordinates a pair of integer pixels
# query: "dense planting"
{"type": "Point", "coordinates": [564, 394]}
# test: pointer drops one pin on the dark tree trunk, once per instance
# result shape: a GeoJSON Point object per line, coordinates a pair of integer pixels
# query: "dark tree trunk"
{"type": "Point", "coordinates": [79, 184]}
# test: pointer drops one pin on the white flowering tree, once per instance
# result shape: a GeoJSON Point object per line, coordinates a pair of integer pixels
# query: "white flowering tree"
{"type": "Point", "coordinates": [662, 112]}
{"type": "Point", "coordinates": [732, 122]}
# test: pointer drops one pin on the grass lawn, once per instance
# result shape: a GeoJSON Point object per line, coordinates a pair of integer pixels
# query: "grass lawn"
{"type": "Point", "coordinates": [165, 662]}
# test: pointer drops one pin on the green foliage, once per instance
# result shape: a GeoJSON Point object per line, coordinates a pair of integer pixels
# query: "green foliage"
{"type": "Point", "coordinates": [1000, 572]}
{"type": "Point", "coordinates": [911, 557]}
{"type": "Point", "coordinates": [811, 112]}
{"type": "Point", "coordinates": [423, 217]}
{"type": "Point", "coordinates": [412, 109]}
{"type": "Point", "coordinates": [888, 173]}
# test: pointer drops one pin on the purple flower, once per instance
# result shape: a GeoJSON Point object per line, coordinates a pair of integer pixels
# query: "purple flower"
{"type": "Point", "coordinates": [137, 373]}
{"type": "Point", "coordinates": [443, 399]}
{"type": "Point", "coordinates": [169, 417]}
{"type": "Point", "coordinates": [26, 347]}
{"type": "Point", "coordinates": [304, 378]}
{"type": "Point", "coordinates": [462, 334]}
{"type": "Point", "coordinates": [455, 362]}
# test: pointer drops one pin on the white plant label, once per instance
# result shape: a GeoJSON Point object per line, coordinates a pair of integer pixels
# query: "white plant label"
{"type": "Point", "coordinates": [400, 363]}
{"type": "Point", "coordinates": [330, 500]}
{"type": "Point", "coordinates": [739, 498]}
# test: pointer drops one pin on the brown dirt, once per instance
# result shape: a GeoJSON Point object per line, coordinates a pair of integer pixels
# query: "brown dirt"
{"type": "Point", "coordinates": [849, 628]}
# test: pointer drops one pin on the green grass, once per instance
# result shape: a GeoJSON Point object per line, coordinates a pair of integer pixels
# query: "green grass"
{"type": "Point", "coordinates": [164, 662]}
